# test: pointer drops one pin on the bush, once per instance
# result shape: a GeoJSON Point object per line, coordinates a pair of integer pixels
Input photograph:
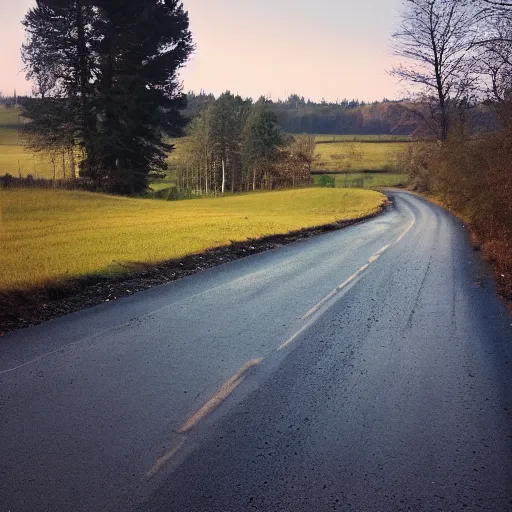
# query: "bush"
{"type": "Point", "coordinates": [324, 181]}
{"type": "Point", "coordinates": [473, 177]}
{"type": "Point", "coordinates": [419, 161]}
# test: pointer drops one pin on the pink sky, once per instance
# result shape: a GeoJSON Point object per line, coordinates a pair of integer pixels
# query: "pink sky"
{"type": "Point", "coordinates": [329, 48]}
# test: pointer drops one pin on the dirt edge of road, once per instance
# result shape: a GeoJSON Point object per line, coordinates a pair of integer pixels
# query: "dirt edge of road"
{"type": "Point", "coordinates": [19, 310]}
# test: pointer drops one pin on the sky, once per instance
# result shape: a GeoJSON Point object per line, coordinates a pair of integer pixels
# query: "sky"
{"type": "Point", "coordinates": [329, 49]}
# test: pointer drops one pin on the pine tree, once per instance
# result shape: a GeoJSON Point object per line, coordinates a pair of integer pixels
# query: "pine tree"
{"type": "Point", "coordinates": [116, 75]}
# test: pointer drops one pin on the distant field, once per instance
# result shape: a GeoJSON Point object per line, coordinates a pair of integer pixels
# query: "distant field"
{"type": "Point", "coordinates": [357, 156]}
{"type": "Point", "coordinates": [50, 235]}
{"type": "Point", "coordinates": [8, 135]}
{"type": "Point", "coordinates": [9, 116]}
{"type": "Point", "coordinates": [333, 153]}
{"type": "Point", "coordinates": [17, 160]}
{"type": "Point", "coordinates": [344, 155]}
{"type": "Point", "coordinates": [164, 183]}
{"type": "Point", "coordinates": [367, 180]}
{"type": "Point", "coordinates": [360, 138]}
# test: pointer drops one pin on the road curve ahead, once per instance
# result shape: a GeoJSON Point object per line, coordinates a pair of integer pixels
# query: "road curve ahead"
{"type": "Point", "coordinates": [368, 369]}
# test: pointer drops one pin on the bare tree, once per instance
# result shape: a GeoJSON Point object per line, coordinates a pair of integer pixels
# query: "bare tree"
{"type": "Point", "coordinates": [435, 38]}
{"type": "Point", "coordinates": [304, 144]}
{"type": "Point", "coordinates": [495, 59]}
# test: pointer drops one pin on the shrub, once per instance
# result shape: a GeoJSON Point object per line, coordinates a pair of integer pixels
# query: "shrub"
{"type": "Point", "coordinates": [324, 181]}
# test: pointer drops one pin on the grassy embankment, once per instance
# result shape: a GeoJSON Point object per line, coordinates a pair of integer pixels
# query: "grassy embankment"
{"type": "Point", "coordinates": [48, 236]}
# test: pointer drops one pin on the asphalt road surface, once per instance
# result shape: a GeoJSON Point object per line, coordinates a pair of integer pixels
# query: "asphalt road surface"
{"type": "Point", "coordinates": [368, 369]}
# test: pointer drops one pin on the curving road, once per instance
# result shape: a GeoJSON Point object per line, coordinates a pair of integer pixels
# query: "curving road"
{"type": "Point", "coordinates": [368, 369]}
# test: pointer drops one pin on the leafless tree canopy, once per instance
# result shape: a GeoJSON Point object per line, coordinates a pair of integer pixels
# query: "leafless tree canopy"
{"type": "Point", "coordinates": [454, 52]}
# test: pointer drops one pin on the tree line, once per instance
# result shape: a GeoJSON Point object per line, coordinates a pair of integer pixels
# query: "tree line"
{"type": "Point", "coordinates": [106, 90]}
{"type": "Point", "coordinates": [236, 145]}
{"type": "Point", "coordinates": [458, 54]}
{"type": "Point", "coordinates": [346, 117]}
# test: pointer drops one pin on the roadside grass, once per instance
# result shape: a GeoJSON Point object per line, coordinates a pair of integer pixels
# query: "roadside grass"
{"type": "Point", "coordinates": [357, 156]}
{"type": "Point", "coordinates": [50, 236]}
{"type": "Point", "coordinates": [367, 179]}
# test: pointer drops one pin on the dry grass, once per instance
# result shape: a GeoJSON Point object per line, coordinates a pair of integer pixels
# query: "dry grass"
{"type": "Point", "coordinates": [357, 156]}
{"type": "Point", "coordinates": [20, 161]}
{"type": "Point", "coordinates": [361, 138]}
{"type": "Point", "coordinates": [47, 236]}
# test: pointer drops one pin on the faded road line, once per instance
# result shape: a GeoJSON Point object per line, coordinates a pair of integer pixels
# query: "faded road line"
{"type": "Point", "coordinates": [161, 461]}
{"type": "Point", "coordinates": [220, 396]}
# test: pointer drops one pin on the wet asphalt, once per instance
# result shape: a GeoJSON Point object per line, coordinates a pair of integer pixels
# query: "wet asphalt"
{"type": "Point", "coordinates": [373, 372]}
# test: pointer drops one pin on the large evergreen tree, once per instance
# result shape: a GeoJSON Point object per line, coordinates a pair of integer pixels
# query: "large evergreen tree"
{"type": "Point", "coordinates": [113, 64]}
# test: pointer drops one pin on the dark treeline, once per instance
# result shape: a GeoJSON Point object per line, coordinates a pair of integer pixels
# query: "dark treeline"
{"type": "Point", "coordinates": [105, 76]}
{"type": "Point", "coordinates": [348, 117]}
{"type": "Point", "coordinates": [12, 101]}
{"type": "Point", "coordinates": [236, 145]}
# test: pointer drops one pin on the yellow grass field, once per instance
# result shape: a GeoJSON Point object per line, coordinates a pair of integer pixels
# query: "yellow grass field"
{"type": "Point", "coordinates": [17, 160]}
{"type": "Point", "coordinates": [351, 153]}
{"type": "Point", "coordinates": [46, 235]}
{"type": "Point", "coordinates": [361, 138]}
{"type": "Point", "coordinates": [357, 156]}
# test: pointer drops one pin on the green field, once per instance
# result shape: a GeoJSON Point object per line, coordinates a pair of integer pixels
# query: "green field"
{"type": "Point", "coordinates": [15, 159]}
{"type": "Point", "coordinates": [48, 235]}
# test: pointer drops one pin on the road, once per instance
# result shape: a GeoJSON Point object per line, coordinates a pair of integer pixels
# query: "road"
{"type": "Point", "coordinates": [368, 369]}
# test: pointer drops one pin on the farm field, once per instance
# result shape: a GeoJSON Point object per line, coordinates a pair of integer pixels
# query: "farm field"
{"type": "Point", "coordinates": [357, 156]}
{"type": "Point", "coordinates": [343, 153]}
{"type": "Point", "coordinates": [324, 139]}
{"type": "Point", "coordinates": [16, 160]}
{"type": "Point", "coordinates": [48, 235]}
{"type": "Point", "coordinates": [366, 179]}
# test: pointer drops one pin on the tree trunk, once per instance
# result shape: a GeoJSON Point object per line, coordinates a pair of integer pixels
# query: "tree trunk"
{"type": "Point", "coordinates": [73, 164]}
{"type": "Point", "coordinates": [223, 176]}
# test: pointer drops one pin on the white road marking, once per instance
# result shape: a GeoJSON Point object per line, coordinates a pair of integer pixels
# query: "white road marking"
{"type": "Point", "coordinates": [343, 285]}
